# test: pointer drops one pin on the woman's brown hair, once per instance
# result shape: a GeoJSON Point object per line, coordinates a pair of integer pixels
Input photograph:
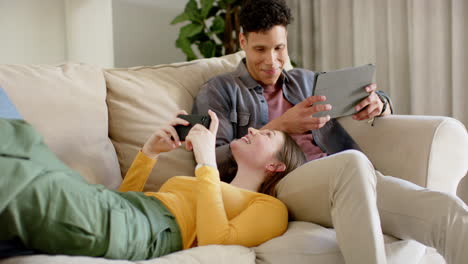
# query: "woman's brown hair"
{"type": "Point", "coordinates": [292, 156]}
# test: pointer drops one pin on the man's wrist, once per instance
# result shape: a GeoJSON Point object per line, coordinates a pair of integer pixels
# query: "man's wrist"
{"type": "Point", "coordinates": [275, 124]}
{"type": "Point", "coordinates": [385, 104]}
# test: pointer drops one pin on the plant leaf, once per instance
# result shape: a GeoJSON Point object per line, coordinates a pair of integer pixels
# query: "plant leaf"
{"type": "Point", "coordinates": [222, 5]}
{"type": "Point", "coordinates": [207, 48]}
{"type": "Point", "coordinates": [192, 11]}
{"type": "Point", "coordinates": [186, 47]}
{"type": "Point", "coordinates": [190, 30]}
{"type": "Point", "coordinates": [202, 36]}
{"type": "Point", "coordinates": [218, 25]}
{"type": "Point", "coordinates": [208, 40]}
{"type": "Point", "coordinates": [214, 10]}
{"type": "Point", "coordinates": [206, 6]}
{"type": "Point", "coordinates": [180, 18]}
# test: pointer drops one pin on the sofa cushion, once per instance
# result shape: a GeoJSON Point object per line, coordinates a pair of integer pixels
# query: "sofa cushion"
{"type": "Point", "coordinates": [66, 104]}
{"type": "Point", "coordinates": [306, 242]}
{"type": "Point", "coordinates": [142, 98]}
{"type": "Point", "coordinates": [213, 254]}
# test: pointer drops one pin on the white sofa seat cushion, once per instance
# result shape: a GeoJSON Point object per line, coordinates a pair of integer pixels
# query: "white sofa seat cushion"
{"type": "Point", "coordinates": [306, 242]}
{"type": "Point", "coordinates": [213, 254]}
{"type": "Point", "coordinates": [67, 105]}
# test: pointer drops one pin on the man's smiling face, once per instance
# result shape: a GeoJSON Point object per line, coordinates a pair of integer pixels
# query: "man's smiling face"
{"type": "Point", "coordinates": [266, 53]}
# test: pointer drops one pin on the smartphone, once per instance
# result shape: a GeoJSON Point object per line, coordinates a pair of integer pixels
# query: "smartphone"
{"type": "Point", "coordinates": [182, 131]}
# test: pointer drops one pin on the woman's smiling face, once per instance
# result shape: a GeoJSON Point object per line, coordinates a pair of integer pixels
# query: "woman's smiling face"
{"type": "Point", "coordinates": [258, 148]}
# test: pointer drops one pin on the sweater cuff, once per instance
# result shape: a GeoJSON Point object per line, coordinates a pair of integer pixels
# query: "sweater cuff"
{"type": "Point", "coordinates": [206, 171]}
{"type": "Point", "coordinates": [143, 158]}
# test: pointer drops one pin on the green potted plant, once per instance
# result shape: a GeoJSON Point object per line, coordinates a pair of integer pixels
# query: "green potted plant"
{"type": "Point", "coordinates": [213, 28]}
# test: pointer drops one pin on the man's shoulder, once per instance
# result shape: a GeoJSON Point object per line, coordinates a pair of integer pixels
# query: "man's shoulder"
{"type": "Point", "coordinates": [222, 79]}
{"type": "Point", "coordinates": [302, 78]}
{"type": "Point", "coordinates": [301, 72]}
{"type": "Point", "coordinates": [223, 84]}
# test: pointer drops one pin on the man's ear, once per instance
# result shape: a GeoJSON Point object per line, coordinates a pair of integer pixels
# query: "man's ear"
{"type": "Point", "coordinates": [276, 167]}
{"type": "Point", "coordinates": [242, 40]}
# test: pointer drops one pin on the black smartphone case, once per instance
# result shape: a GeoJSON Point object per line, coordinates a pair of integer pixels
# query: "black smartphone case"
{"type": "Point", "coordinates": [182, 131]}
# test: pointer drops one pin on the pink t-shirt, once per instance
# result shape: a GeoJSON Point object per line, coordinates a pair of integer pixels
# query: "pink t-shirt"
{"type": "Point", "coordinates": [277, 105]}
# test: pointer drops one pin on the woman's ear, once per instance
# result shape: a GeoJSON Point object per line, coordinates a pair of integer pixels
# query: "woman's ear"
{"type": "Point", "coordinates": [276, 167]}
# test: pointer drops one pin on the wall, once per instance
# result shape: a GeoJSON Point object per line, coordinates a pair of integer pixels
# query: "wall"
{"type": "Point", "coordinates": [32, 31]}
{"type": "Point", "coordinates": [143, 34]}
{"type": "Point", "coordinates": [108, 33]}
{"type": "Point", "coordinates": [88, 32]}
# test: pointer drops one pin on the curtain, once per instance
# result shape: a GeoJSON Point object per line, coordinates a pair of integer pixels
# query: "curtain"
{"type": "Point", "coordinates": [419, 48]}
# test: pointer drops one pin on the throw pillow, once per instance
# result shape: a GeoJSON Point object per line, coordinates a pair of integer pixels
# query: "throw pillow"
{"type": "Point", "coordinates": [7, 108]}
{"type": "Point", "coordinates": [67, 106]}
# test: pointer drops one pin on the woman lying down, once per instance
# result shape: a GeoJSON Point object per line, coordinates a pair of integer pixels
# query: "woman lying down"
{"type": "Point", "coordinates": [52, 209]}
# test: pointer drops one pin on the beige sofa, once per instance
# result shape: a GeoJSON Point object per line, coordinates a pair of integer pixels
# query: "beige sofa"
{"type": "Point", "coordinates": [96, 119]}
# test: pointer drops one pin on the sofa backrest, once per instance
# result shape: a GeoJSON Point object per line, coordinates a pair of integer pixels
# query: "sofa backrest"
{"type": "Point", "coordinates": [142, 98]}
{"type": "Point", "coordinates": [96, 120]}
{"type": "Point", "coordinates": [67, 105]}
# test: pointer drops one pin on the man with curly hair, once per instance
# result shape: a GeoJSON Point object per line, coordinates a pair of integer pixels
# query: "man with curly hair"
{"type": "Point", "coordinates": [343, 191]}
{"type": "Point", "coordinates": [260, 93]}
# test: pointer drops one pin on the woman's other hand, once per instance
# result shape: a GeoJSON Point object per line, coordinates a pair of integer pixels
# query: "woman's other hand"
{"type": "Point", "coordinates": [203, 141]}
{"type": "Point", "coordinates": [165, 138]}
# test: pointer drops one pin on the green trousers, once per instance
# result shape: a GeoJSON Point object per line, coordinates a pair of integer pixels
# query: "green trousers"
{"type": "Point", "coordinates": [52, 209]}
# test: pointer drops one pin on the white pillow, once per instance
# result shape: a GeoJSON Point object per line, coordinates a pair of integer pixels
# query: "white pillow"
{"type": "Point", "coordinates": [66, 104]}
{"type": "Point", "coordinates": [142, 98]}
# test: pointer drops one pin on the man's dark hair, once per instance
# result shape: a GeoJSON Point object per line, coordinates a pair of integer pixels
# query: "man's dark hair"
{"type": "Point", "coordinates": [262, 15]}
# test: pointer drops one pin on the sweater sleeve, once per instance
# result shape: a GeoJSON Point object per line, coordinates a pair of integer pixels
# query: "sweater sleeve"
{"type": "Point", "coordinates": [265, 217]}
{"type": "Point", "coordinates": [138, 173]}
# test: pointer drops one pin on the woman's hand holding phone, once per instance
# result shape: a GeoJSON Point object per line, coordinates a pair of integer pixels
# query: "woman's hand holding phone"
{"type": "Point", "coordinates": [203, 141]}
{"type": "Point", "coordinates": [165, 138]}
{"type": "Point", "coordinates": [200, 139]}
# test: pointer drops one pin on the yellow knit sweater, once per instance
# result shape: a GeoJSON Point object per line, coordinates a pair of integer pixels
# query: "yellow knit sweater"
{"type": "Point", "coordinates": [209, 211]}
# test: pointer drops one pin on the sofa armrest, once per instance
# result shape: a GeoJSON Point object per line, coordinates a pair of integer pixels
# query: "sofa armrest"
{"type": "Point", "coordinates": [430, 151]}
